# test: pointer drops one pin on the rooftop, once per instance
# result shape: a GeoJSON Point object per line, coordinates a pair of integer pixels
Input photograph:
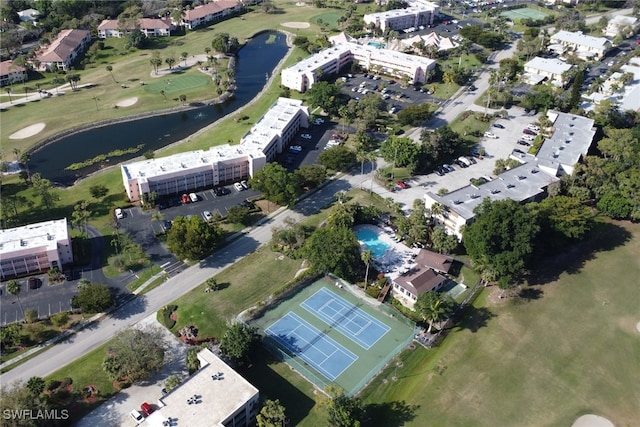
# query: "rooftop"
{"type": "Point", "coordinates": [62, 47]}
{"type": "Point", "coordinates": [42, 234]}
{"type": "Point", "coordinates": [208, 9]}
{"type": "Point", "coordinates": [549, 65]}
{"type": "Point", "coordinates": [419, 280]}
{"type": "Point", "coordinates": [7, 67]}
{"type": "Point", "coordinates": [571, 139]}
{"type": "Point", "coordinates": [580, 39]}
{"type": "Point", "coordinates": [415, 6]}
{"type": "Point", "coordinates": [221, 390]}
{"type": "Point", "coordinates": [145, 23]}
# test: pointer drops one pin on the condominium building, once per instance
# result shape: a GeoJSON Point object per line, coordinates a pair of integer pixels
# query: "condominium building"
{"type": "Point", "coordinates": [551, 69]}
{"type": "Point", "coordinates": [418, 13]}
{"type": "Point", "coordinates": [221, 164]}
{"type": "Point", "coordinates": [35, 248]}
{"type": "Point", "coordinates": [580, 45]}
{"type": "Point", "coordinates": [570, 140]}
{"type": "Point", "coordinates": [63, 50]}
{"type": "Point", "coordinates": [11, 73]}
{"type": "Point", "coordinates": [620, 25]}
{"type": "Point", "coordinates": [150, 27]}
{"type": "Point", "coordinates": [207, 13]}
{"type": "Point", "coordinates": [302, 75]}
{"type": "Point", "coordinates": [215, 395]}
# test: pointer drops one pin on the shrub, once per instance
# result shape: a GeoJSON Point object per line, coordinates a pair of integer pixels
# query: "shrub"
{"type": "Point", "coordinates": [165, 316]}
{"type": "Point", "coordinates": [52, 385]}
{"type": "Point", "coordinates": [66, 381]}
{"type": "Point", "coordinates": [59, 320]}
{"type": "Point", "coordinates": [31, 315]}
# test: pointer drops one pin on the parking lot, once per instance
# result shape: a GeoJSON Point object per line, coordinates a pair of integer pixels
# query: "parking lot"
{"type": "Point", "coordinates": [498, 148]}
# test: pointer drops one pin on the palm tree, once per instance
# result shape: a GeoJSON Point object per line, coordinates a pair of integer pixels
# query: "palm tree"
{"type": "Point", "coordinates": [16, 152]}
{"type": "Point", "coordinates": [183, 98]}
{"type": "Point", "coordinates": [184, 56]}
{"type": "Point", "coordinates": [207, 50]}
{"type": "Point", "coordinates": [109, 68]}
{"type": "Point", "coordinates": [13, 288]}
{"type": "Point", "coordinates": [155, 63]}
{"type": "Point", "coordinates": [8, 90]}
{"type": "Point", "coordinates": [164, 95]}
{"type": "Point", "coordinates": [366, 256]}
{"type": "Point", "coordinates": [434, 307]}
{"type": "Point", "coordinates": [170, 61]}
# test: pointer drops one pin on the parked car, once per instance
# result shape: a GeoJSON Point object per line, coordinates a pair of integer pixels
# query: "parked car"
{"type": "Point", "coordinates": [449, 168]}
{"type": "Point", "coordinates": [34, 282]}
{"type": "Point", "coordinates": [167, 225]}
{"type": "Point", "coordinates": [245, 184]}
{"type": "Point", "coordinates": [221, 191]}
{"type": "Point", "coordinates": [498, 125]}
{"type": "Point", "coordinates": [305, 136]}
{"type": "Point", "coordinates": [527, 137]}
{"type": "Point", "coordinates": [207, 215]}
{"type": "Point", "coordinates": [438, 171]}
{"type": "Point", "coordinates": [402, 184]}
{"type": "Point", "coordinates": [119, 213]}
{"type": "Point", "coordinates": [533, 127]}
{"type": "Point", "coordinates": [238, 186]}
{"type": "Point", "coordinates": [460, 163]}
{"type": "Point", "coordinates": [146, 409]}
{"type": "Point", "coordinates": [137, 416]}
{"type": "Point", "coordinates": [193, 197]}
{"type": "Point", "coordinates": [465, 161]}
{"type": "Point", "coordinates": [490, 135]}
{"type": "Point", "coordinates": [523, 142]}
{"type": "Point", "coordinates": [185, 198]}
{"type": "Point", "coordinates": [528, 132]}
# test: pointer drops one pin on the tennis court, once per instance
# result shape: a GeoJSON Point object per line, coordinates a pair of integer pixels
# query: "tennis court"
{"type": "Point", "coordinates": [346, 318]}
{"type": "Point", "coordinates": [524, 13]}
{"type": "Point", "coordinates": [333, 336]}
{"type": "Point", "coordinates": [320, 351]}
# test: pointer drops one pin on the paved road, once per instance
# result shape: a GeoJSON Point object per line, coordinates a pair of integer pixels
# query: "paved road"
{"type": "Point", "coordinates": [140, 307]}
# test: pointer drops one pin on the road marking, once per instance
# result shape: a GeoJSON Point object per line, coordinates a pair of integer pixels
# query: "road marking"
{"type": "Point", "coordinates": [165, 264]}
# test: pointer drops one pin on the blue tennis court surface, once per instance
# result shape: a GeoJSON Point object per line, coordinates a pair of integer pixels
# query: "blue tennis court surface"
{"type": "Point", "coordinates": [346, 318]}
{"type": "Point", "coordinates": [324, 354]}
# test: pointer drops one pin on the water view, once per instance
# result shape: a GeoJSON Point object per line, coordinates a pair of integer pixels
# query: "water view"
{"type": "Point", "coordinates": [255, 62]}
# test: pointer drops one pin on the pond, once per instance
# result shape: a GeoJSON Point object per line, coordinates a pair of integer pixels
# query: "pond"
{"type": "Point", "coordinates": [255, 61]}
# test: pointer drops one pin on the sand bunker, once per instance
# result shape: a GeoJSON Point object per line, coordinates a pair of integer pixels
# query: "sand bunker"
{"type": "Point", "coordinates": [638, 326]}
{"type": "Point", "coordinates": [592, 421]}
{"type": "Point", "coordinates": [127, 102]}
{"type": "Point", "coordinates": [23, 133]}
{"type": "Point", "coordinates": [296, 24]}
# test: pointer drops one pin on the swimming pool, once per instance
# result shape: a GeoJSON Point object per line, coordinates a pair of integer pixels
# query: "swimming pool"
{"type": "Point", "coordinates": [377, 45]}
{"type": "Point", "coordinates": [372, 242]}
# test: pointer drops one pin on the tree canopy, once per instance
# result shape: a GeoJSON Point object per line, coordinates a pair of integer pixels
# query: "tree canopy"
{"type": "Point", "coordinates": [272, 414]}
{"type": "Point", "coordinates": [193, 238]}
{"type": "Point", "coordinates": [337, 158]}
{"type": "Point", "coordinates": [434, 307]}
{"type": "Point", "coordinates": [344, 411]}
{"type": "Point", "coordinates": [134, 354]}
{"type": "Point", "coordinates": [402, 151]}
{"type": "Point", "coordinates": [335, 250]}
{"type": "Point", "coordinates": [238, 342]}
{"type": "Point", "coordinates": [93, 298]}
{"type": "Point", "coordinates": [276, 184]}
{"type": "Point", "coordinates": [325, 95]}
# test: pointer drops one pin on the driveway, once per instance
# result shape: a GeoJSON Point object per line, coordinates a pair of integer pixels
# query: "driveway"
{"type": "Point", "coordinates": [115, 411]}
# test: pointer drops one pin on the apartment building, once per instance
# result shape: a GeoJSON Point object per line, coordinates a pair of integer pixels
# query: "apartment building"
{"type": "Point", "coordinates": [34, 248]}
{"type": "Point", "coordinates": [570, 140]}
{"type": "Point", "coordinates": [304, 74]}
{"type": "Point", "coordinates": [150, 27]}
{"type": "Point", "coordinates": [221, 164]}
{"type": "Point", "coordinates": [551, 69]}
{"type": "Point", "coordinates": [10, 73]}
{"type": "Point", "coordinates": [620, 25]}
{"type": "Point", "coordinates": [63, 50]}
{"type": "Point", "coordinates": [418, 13]}
{"type": "Point", "coordinates": [207, 13]}
{"type": "Point", "coordinates": [579, 44]}
{"type": "Point", "coordinates": [215, 395]}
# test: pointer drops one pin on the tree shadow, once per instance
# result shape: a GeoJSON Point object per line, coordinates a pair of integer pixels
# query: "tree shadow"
{"type": "Point", "coordinates": [605, 236]}
{"type": "Point", "coordinates": [134, 306]}
{"type": "Point", "coordinates": [396, 413]}
{"type": "Point", "coordinates": [473, 318]}
{"type": "Point", "coordinates": [528, 294]}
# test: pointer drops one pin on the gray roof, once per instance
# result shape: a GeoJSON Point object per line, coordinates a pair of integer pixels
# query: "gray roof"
{"type": "Point", "coordinates": [580, 39]}
{"type": "Point", "coordinates": [549, 65]}
{"type": "Point", "coordinates": [570, 140]}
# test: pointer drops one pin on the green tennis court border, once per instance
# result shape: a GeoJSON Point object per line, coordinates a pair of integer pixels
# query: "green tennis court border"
{"type": "Point", "coordinates": [524, 13]}
{"type": "Point", "coordinates": [370, 362]}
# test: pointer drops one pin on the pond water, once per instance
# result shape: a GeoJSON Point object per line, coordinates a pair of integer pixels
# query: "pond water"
{"type": "Point", "coordinates": [255, 62]}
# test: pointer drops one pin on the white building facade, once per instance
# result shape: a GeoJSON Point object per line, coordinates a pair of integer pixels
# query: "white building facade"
{"type": "Point", "coordinates": [63, 50]}
{"type": "Point", "coordinates": [35, 248]}
{"type": "Point", "coordinates": [150, 27]}
{"type": "Point", "coordinates": [10, 73]}
{"type": "Point", "coordinates": [551, 69]}
{"type": "Point", "coordinates": [619, 25]}
{"type": "Point", "coordinates": [304, 74]}
{"type": "Point", "coordinates": [581, 45]}
{"type": "Point", "coordinates": [211, 12]}
{"type": "Point", "coordinates": [222, 164]}
{"type": "Point", "coordinates": [418, 13]}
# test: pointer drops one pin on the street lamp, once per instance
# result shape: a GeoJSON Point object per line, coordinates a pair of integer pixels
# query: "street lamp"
{"type": "Point", "coordinates": [96, 99]}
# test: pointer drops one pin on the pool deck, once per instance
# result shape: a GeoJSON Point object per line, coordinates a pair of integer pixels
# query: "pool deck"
{"type": "Point", "coordinates": [397, 260]}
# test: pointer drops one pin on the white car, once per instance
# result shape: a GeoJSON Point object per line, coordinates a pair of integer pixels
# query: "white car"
{"type": "Point", "coordinates": [238, 186]}
{"type": "Point", "coordinates": [533, 128]}
{"type": "Point", "coordinates": [207, 215]}
{"type": "Point", "coordinates": [137, 416]}
{"type": "Point", "coordinates": [527, 137]}
{"type": "Point", "coordinates": [119, 213]}
{"type": "Point", "coordinates": [490, 135]}
{"type": "Point", "coordinates": [193, 197]}
{"type": "Point", "coordinates": [305, 136]}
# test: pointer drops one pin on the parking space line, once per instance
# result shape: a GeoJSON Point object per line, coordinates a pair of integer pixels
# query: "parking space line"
{"type": "Point", "coordinates": [204, 195]}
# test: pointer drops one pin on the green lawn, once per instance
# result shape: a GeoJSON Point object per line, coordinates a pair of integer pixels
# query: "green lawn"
{"type": "Point", "coordinates": [570, 349]}
{"type": "Point", "coordinates": [469, 127]}
{"type": "Point", "coordinates": [176, 85]}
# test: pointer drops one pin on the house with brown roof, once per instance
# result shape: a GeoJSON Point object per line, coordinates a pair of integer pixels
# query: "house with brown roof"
{"type": "Point", "coordinates": [150, 27]}
{"type": "Point", "coordinates": [210, 12]}
{"type": "Point", "coordinates": [409, 286]}
{"type": "Point", "coordinates": [438, 262]}
{"type": "Point", "coordinates": [10, 73]}
{"type": "Point", "coordinates": [63, 50]}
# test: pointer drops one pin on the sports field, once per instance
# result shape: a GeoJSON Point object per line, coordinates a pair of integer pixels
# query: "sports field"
{"type": "Point", "coordinates": [524, 13]}
{"type": "Point", "coordinates": [331, 336]}
{"type": "Point", "coordinates": [176, 85]}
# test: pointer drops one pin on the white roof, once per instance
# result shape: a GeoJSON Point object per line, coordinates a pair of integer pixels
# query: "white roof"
{"type": "Point", "coordinates": [580, 39]}
{"type": "Point", "coordinates": [571, 139]}
{"type": "Point", "coordinates": [621, 20]}
{"type": "Point", "coordinates": [42, 234]}
{"type": "Point", "coordinates": [219, 398]}
{"type": "Point", "coordinates": [548, 65]}
{"type": "Point", "coordinates": [415, 6]}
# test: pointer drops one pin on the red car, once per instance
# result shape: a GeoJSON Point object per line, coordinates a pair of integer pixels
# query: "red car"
{"type": "Point", "coordinates": [402, 185]}
{"type": "Point", "coordinates": [146, 409]}
{"type": "Point", "coordinates": [185, 198]}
